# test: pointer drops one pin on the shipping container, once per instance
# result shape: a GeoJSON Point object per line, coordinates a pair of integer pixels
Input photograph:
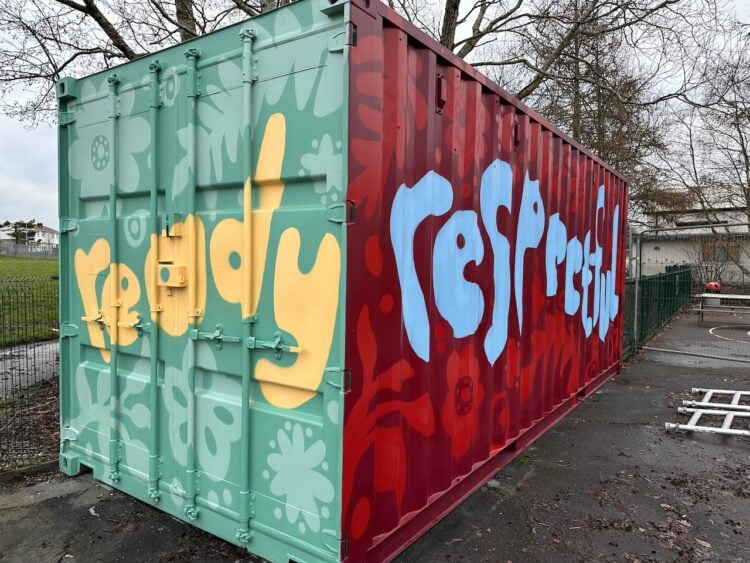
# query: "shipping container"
{"type": "Point", "coordinates": [321, 279]}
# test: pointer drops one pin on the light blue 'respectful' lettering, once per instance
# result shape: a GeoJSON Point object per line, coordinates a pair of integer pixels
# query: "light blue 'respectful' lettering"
{"type": "Point", "coordinates": [432, 195]}
{"type": "Point", "coordinates": [530, 231]}
{"type": "Point", "coordinates": [596, 258]}
{"type": "Point", "coordinates": [497, 191]}
{"type": "Point", "coordinates": [459, 301]}
{"type": "Point", "coordinates": [585, 283]}
{"type": "Point", "coordinates": [574, 255]}
{"type": "Point", "coordinates": [610, 302]}
{"type": "Point", "coordinates": [557, 238]}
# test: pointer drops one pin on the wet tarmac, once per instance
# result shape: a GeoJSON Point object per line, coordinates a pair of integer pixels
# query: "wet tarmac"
{"type": "Point", "coordinates": [606, 484]}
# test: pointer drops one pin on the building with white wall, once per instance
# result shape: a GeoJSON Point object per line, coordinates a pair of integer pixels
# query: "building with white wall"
{"type": "Point", "coordinates": [46, 235]}
{"type": "Point", "coordinates": [713, 241]}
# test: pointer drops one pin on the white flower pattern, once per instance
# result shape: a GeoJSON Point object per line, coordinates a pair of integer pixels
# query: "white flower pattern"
{"type": "Point", "coordinates": [218, 131]}
{"type": "Point", "coordinates": [217, 421]}
{"type": "Point", "coordinates": [327, 160]}
{"type": "Point", "coordinates": [297, 478]}
{"type": "Point", "coordinates": [91, 155]}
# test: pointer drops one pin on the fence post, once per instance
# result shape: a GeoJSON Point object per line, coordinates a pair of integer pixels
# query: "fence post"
{"type": "Point", "coordinates": [636, 299]}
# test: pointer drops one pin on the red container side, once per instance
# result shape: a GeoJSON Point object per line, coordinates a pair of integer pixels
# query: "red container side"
{"type": "Point", "coordinates": [477, 226]}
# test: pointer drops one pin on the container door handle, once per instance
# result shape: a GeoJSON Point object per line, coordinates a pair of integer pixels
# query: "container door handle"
{"type": "Point", "coordinates": [276, 344]}
{"type": "Point", "coordinates": [217, 336]}
{"type": "Point", "coordinates": [98, 319]}
{"type": "Point", "coordinates": [139, 326]}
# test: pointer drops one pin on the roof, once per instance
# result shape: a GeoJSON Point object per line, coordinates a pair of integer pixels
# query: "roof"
{"type": "Point", "coordinates": [695, 210]}
{"type": "Point", "coordinates": [709, 235]}
{"type": "Point", "coordinates": [44, 229]}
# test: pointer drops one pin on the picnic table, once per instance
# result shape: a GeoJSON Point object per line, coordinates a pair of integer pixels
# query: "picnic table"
{"type": "Point", "coordinates": [722, 308]}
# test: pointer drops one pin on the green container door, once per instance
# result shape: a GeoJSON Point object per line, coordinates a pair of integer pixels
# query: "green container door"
{"type": "Point", "coordinates": [202, 204]}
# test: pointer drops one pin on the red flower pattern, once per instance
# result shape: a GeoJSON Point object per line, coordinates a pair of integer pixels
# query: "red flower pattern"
{"type": "Point", "coordinates": [464, 394]}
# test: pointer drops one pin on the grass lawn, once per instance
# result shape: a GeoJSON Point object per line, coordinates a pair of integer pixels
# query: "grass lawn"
{"type": "Point", "coordinates": [28, 307]}
{"type": "Point", "coordinates": [23, 267]}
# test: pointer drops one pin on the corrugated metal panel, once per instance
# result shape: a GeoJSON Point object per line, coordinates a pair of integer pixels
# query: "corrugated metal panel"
{"type": "Point", "coordinates": [202, 279]}
{"type": "Point", "coordinates": [205, 309]}
{"type": "Point", "coordinates": [470, 209]}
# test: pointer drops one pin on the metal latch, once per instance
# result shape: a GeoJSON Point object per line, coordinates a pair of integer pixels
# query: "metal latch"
{"type": "Point", "coordinates": [98, 319]}
{"type": "Point", "coordinates": [217, 336]}
{"type": "Point", "coordinates": [139, 326]}
{"type": "Point", "coordinates": [276, 344]}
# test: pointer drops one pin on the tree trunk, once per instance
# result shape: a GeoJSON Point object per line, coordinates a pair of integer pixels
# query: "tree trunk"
{"type": "Point", "coordinates": [575, 122]}
{"type": "Point", "coordinates": [185, 19]}
{"type": "Point", "coordinates": [450, 22]}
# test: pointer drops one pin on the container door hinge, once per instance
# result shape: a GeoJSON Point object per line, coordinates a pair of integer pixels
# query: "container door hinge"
{"type": "Point", "coordinates": [335, 544]}
{"type": "Point", "coordinates": [245, 535]}
{"type": "Point", "coordinates": [68, 434]}
{"type": "Point", "coordinates": [68, 330]}
{"type": "Point", "coordinates": [155, 473]}
{"type": "Point", "coordinates": [65, 118]}
{"type": "Point", "coordinates": [68, 224]}
{"type": "Point", "coordinates": [276, 344]}
{"type": "Point", "coordinates": [348, 37]}
{"type": "Point", "coordinates": [339, 378]}
{"type": "Point", "coordinates": [191, 510]}
{"type": "Point", "coordinates": [216, 336]}
{"type": "Point", "coordinates": [332, 7]}
{"type": "Point", "coordinates": [342, 212]}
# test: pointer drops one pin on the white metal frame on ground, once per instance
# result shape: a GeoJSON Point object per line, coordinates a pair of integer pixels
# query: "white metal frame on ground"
{"type": "Point", "coordinates": [706, 407]}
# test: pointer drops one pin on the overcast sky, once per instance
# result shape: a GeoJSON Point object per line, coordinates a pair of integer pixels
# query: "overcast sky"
{"type": "Point", "coordinates": [28, 165]}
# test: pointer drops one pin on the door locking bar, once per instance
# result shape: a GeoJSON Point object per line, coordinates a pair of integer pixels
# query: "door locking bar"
{"type": "Point", "coordinates": [98, 319]}
{"type": "Point", "coordinates": [139, 326]}
{"type": "Point", "coordinates": [217, 336]}
{"type": "Point", "coordinates": [276, 344]}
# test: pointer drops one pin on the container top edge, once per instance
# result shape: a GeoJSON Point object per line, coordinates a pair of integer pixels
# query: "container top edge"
{"type": "Point", "coordinates": [383, 11]}
{"type": "Point", "coordinates": [186, 44]}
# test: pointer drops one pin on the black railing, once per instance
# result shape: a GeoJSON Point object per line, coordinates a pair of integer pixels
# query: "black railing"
{"type": "Point", "coordinates": [662, 296]}
{"type": "Point", "coordinates": [29, 368]}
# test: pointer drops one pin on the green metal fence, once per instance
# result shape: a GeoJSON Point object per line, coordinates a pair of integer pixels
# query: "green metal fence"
{"type": "Point", "coordinates": [661, 297]}
{"type": "Point", "coordinates": [29, 366]}
{"type": "Point", "coordinates": [628, 334]}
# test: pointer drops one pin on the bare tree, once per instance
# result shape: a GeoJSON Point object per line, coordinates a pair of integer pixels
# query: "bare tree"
{"type": "Point", "coordinates": [709, 157]}
{"type": "Point", "coordinates": [604, 70]}
{"type": "Point", "coordinates": [528, 41]}
{"type": "Point", "coordinates": [45, 40]}
{"type": "Point", "coordinates": [524, 44]}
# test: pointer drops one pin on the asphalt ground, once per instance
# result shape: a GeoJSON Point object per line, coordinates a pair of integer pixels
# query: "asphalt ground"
{"type": "Point", "coordinates": [606, 484]}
